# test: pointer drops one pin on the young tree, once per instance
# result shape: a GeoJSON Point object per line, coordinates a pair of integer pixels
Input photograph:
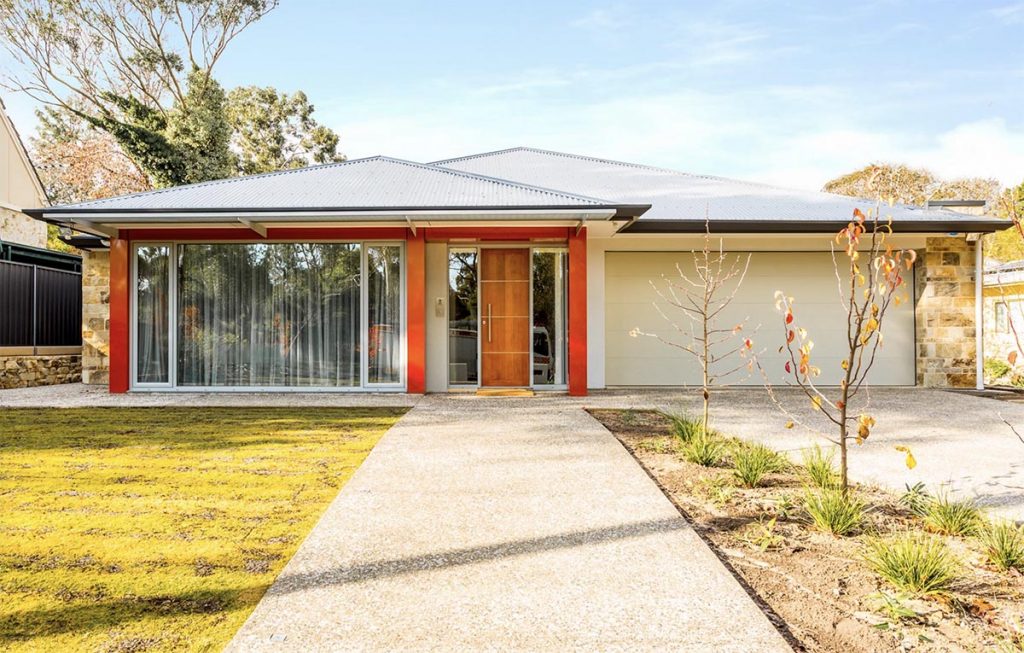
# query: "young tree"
{"type": "Point", "coordinates": [701, 297]}
{"type": "Point", "coordinates": [140, 70]}
{"type": "Point", "coordinates": [868, 280]}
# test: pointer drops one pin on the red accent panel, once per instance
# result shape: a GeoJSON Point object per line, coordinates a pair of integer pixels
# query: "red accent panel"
{"type": "Point", "coordinates": [578, 313]}
{"type": "Point", "coordinates": [416, 311]}
{"type": "Point", "coordinates": [304, 234]}
{"type": "Point", "coordinates": [120, 352]}
{"type": "Point", "coordinates": [435, 234]}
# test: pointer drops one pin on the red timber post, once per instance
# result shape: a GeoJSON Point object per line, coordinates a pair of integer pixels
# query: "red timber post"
{"type": "Point", "coordinates": [120, 312]}
{"type": "Point", "coordinates": [416, 313]}
{"type": "Point", "coordinates": [578, 312]}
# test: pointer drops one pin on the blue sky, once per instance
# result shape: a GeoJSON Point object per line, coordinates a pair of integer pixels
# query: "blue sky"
{"type": "Point", "coordinates": [791, 93]}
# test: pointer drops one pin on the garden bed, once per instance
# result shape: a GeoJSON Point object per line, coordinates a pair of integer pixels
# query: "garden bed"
{"type": "Point", "coordinates": [818, 584]}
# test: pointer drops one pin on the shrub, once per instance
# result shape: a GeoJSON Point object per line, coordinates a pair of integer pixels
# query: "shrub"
{"type": "Point", "coordinates": [996, 368]}
{"type": "Point", "coordinates": [818, 465]}
{"type": "Point", "coordinates": [916, 499]}
{"type": "Point", "coordinates": [834, 511]}
{"type": "Point", "coordinates": [704, 449]}
{"type": "Point", "coordinates": [913, 563]}
{"type": "Point", "coordinates": [1004, 545]}
{"type": "Point", "coordinates": [951, 517]}
{"type": "Point", "coordinates": [751, 462]}
{"type": "Point", "coordinates": [684, 426]}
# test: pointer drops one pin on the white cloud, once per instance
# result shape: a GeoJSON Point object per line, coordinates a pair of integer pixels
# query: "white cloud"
{"type": "Point", "coordinates": [1011, 14]}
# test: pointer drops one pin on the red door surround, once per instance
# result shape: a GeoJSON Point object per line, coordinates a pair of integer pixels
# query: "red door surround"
{"type": "Point", "coordinates": [416, 304]}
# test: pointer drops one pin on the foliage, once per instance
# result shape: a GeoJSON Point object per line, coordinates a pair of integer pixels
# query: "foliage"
{"type": "Point", "coordinates": [913, 563]}
{"type": "Point", "coordinates": [684, 426]}
{"type": "Point", "coordinates": [162, 525]}
{"type": "Point", "coordinates": [1008, 245]}
{"type": "Point", "coordinates": [700, 297]}
{"type": "Point", "coordinates": [762, 535]}
{"type": "Point", "coordinates": [916, 499]}
{"type": "Point", "coordinates": [951, 517]}
{"type": "Point", "coordinates": [138, 70]}
{"type": "Point", "coordinates": [834, 511]}
{"type": "Point", "coordinates": [871, 278]}
{"type": "Point", "coordinates": [1004, 544]}
{"type": "Point", "coordinates": [996, 368]}
{"type": "Point", "coordinates": [752, 462]}
{"type": "Point", "coordinates": [818, 465]}
{"type": "Point", "coordinates": [276, 131]}
{"type": "Point", "coordinates": [906, 185]}
{"type": "Point", "coordinates": [704, 448]}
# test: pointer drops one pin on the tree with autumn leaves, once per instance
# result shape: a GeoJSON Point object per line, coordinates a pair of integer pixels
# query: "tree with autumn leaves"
{"type": "Point", "coordinates": [870, 277]}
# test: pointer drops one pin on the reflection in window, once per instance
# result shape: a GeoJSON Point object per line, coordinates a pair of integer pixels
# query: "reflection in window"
{"type": "Point", "coordinates": [284, 314]}
{"type": "Point", "coordinates": [550, 270]}
{"type": "Point", "coordinates": [462, 317]}
{"type": "Point", "coordinates": [384, 284]}
{"type": "Point", "coordinates": [151, 313]}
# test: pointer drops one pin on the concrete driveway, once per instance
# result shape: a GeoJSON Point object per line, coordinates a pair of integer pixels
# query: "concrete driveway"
{"type": "Point", "coordinates": [959, 440]}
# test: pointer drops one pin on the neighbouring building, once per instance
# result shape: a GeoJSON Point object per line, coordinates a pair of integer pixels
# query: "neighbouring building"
{"type": "Point", "coordinates": [516, 268]}
{"type": "Point", "coordinates": [40, 290]}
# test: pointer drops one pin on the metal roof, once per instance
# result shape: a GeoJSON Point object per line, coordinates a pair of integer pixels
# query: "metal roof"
{"type": "Point", "coordinates": [372, 184]}
{"type": "Point", "coordinates": [680, 201]}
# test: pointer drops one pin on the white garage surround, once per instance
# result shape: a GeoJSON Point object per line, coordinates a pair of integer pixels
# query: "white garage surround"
{"type": "Point", "coordinates": [620, 298]}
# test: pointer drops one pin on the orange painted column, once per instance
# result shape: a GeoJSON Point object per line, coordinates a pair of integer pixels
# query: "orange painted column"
{"type": "Point", "coordinates": [416, 313]}
{"type": "Point", "coordinates": [578, 313]}
{"type": "Point", "coordinates": [120, 312]}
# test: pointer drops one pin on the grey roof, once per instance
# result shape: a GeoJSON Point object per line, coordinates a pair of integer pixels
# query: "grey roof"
{"type": "Point", "coordinates": [1002, 274]}
{"type": "Point", "coordinates": [679, 197]}
{"type": "Point", "coordinates": [374, 183]}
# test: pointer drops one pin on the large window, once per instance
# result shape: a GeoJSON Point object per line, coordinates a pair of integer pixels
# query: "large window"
{"type": "Point", "coordinates": [317, 315]}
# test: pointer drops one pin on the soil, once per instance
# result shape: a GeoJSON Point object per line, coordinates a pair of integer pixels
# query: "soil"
{"type": "Point", "coordinates": [816, 587]}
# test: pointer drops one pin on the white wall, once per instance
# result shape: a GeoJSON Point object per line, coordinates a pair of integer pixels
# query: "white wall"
{"type": "Point", "coordinates": [437, 317]}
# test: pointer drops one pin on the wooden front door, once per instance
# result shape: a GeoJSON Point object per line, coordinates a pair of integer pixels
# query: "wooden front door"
{"type": "Point", "coordinates": [505, 317]}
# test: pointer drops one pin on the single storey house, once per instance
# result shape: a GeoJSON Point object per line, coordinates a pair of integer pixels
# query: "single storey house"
{"type": "Point", "coordinates": [516, 268]}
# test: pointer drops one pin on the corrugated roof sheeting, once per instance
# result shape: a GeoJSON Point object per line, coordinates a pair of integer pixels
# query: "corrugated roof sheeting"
{"type": "Point", "coordinates": [378, 182]}
{"type": "Point", "coordinates": [678, 195]}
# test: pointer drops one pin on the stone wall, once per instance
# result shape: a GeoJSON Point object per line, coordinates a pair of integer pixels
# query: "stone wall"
{"type": "Point", "coordinates": [944, 295]}
{"type": "Point", "coordinates": [21, 229]}
{"type": "Point", "coordinates": [29, 371]}
{"type": "Point", "coordinates": [96, 317]}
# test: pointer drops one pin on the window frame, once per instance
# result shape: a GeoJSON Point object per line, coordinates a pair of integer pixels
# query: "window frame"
{"type": "Point", "coordinates": [172, 384]}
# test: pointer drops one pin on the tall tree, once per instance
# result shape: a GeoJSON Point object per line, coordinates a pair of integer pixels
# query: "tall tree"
{"type": "Point", "coordinates": [907, 185]}
{"type": "Point", "coordinates": [140, 70]}
{"type": "Point", "coordinates": [275, 131]}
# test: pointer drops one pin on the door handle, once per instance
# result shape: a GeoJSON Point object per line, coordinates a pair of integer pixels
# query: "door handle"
{"type": "Point", "coordinates": [488, 323]}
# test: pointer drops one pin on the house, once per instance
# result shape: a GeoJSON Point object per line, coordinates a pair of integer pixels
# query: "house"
{"type": "Point", "coordinates": [1003, 310]}
{"type": "Point", "coordinates": [40, 290]}
{"type": "Point", "coordinates": [521, 267]}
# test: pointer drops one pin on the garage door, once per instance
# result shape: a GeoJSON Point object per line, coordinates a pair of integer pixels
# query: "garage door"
{"type": "Point", "coordinates": [809, 277]}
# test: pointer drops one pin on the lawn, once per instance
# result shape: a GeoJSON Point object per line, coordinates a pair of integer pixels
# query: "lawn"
{"type": "Point", "coordinates": [159, 529]}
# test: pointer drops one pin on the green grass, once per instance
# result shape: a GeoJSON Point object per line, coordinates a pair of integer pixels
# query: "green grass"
{"type": "Point", "coordinates": [752, 462]}
{"type": "Point", "coordinates": [819, 467]}
{"type": "Point", "coordinates": [685, 427]}
{"type": "Point", "coordinates": [159, 529]}
{"type": "Point", "coordinates": [833, 512]}
{"type": "Point", "coordinates": [1004, 545]}
{"type": "Point", "coordinates": [706, 449]}
{"type": "Point", "coordinates": [914, 563]}
{"type": "Point", "coordinates": [951, 517]}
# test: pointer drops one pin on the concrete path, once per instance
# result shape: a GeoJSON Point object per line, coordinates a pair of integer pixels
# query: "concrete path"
{"type": "Point", "coordinates": [504, 524]}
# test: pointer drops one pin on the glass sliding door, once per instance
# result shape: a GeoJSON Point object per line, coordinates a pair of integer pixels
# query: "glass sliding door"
{"type": "Point", "coordinates": [463, 319]}
{"type": "Point", "coordinates": [384, 288]}
{"type": "Point", "coordinates": [261, 314]}
{"type": "Point", "coordinates": [550, 311]}
{"type": "Point", "coordinates": [152, 314]}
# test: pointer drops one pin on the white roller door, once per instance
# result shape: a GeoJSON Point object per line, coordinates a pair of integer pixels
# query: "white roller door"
{"type": "Point", "coordinates": [807, 276]}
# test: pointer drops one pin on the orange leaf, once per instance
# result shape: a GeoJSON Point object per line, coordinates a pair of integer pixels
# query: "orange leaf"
{"type": "Point", "coordinates": [789, 317]}
{"type": "Point", "coordinates": [789, 338]}
{"type": "Point", "coordinates": [1012, 358]}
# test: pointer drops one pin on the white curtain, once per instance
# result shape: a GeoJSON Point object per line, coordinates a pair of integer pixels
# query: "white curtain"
{"type": "Point", "coordinates": [152, 285]}
{"type": "Point", "coordinates": [383, 270]}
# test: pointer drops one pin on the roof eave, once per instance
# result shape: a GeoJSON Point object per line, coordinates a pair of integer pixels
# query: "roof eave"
{"type": "Point", "coordinates": [952, 225]}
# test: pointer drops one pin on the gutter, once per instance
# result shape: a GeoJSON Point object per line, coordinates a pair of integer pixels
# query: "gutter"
{"type": "Point", "coordinates": [955, 225]}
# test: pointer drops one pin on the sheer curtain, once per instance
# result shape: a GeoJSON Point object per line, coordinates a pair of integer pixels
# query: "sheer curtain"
{"type": "Point", "coordinates": [384, 284]}
{"type": "Point", "coordinates": [283, 314]}
{"type": "Point", "coordinates": [152, 275]}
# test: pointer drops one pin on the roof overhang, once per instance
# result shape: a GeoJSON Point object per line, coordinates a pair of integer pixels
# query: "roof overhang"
{"type": "Point", "coordinates": [967, 224]}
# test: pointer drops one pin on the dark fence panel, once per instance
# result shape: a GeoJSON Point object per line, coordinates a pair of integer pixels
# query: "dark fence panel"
{"type": "Point", "coordinates": [58, 308]}
{"type": "Point", "coordinates": [56, 296]}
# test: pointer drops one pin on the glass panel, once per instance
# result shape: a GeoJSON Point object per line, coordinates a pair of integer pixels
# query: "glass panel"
{"type": "Point", "coordinates": [151, 304]}
{"type": "Point", "coordinates": [384, 284]}
{"type": "Point", "coordinates": [462, 317]}
{"type": "Point", "coordinates": [285, 314]}
{"type": "Point", "coordinates": [550, 270]}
